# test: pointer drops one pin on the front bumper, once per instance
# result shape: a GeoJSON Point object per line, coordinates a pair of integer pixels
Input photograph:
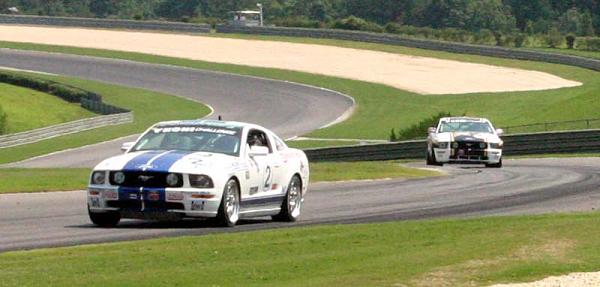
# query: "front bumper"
{"type": "Point", "coordinates": [153, 202]}
{"type": "Point", "coordinates": [486, 156]}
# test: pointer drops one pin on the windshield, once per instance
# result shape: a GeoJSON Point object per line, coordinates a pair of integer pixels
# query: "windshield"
{"type": "Point", "coordinates": [191, 138]}
{"type": "Point", "coordinates": [465, 126]}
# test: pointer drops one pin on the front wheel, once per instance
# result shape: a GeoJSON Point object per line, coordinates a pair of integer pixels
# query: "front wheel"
{"type": "Point", "coordinates": [431, 159]}
{"type": "Point", "coordinates": [495, 165]}
{"type": "Point", "coordinates": [229, 210]}
{"type": "Point", "coordinates": [105, 219]}
{"type": "Point", "coordinates": [292, 204]}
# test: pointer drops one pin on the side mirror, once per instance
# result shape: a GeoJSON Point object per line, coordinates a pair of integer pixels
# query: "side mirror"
{"type": "Point", "coordinates": [258, 151]}
{"type": "Point", "coordinates": [500, 132]}
{"type": "Point", "coordinates": [126, 146]}
{"type": "Point", "coordinates": [431, 130]}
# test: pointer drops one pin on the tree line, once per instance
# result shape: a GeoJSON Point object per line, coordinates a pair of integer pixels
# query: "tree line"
{"type": "Point", "coordinates": [577, 17]}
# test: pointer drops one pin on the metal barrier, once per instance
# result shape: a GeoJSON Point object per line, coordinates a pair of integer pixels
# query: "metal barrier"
{"type": "Point", "coordinates": [41, 134]}
{"type": "Point", "coordinates": [104, 23]}
{"type": "Point", "coordinates": [587, 141]}
{"type": "Point", "coordinates": [391, 39]}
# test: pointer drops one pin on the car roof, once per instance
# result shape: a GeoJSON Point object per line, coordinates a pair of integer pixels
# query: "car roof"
{"type": "Point", "coordinates": [210, 123]}
{"type": "Point", "coordinates": [466, 119]}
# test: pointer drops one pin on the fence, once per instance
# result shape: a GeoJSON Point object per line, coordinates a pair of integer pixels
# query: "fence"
{"type": "Point", "coordinates": [587, 141]}
{"type": "Point", "coordinates": [391, 39]}
{"type": "Point", "coordinates": [104, 23]}
{"type": "Point", "coordinates": [554, 126]}
{"type": "Point", "coordinates": [64, 129]}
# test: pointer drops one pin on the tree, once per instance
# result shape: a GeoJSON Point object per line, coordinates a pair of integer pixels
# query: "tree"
{"type": "Point", "coordinates": [489, 14]}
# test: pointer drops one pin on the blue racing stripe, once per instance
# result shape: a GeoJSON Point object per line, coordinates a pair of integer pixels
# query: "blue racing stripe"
{"type": "Point", "coordinates": [140, 160]}
{"type": "Point", "coordinates": [166, 161]}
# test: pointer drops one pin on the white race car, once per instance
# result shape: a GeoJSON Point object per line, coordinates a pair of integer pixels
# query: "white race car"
{"type": "Point", "coordinates": [200, 169]}
{"type": "Point", "coordinates": [464, 140]}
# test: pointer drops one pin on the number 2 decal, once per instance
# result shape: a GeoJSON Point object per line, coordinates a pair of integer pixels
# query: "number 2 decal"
{"type": "Point", "coordinates": [268, 178]}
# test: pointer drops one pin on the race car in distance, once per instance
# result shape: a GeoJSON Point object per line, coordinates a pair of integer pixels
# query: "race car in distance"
{"type": "Point", "coordinates": [464, 140]}
{"type": "Point", "coordinates": [200, 169]}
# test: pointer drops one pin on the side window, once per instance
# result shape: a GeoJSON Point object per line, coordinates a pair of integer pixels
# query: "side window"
{"type": "Point", "coordinates": [279, 143]}
{"type": "Point", "coordinates": [259, 138]}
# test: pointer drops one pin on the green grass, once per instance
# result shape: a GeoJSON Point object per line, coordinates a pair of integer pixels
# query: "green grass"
{"type": "Point", "coordinates": [28, 109]}
{"type": "Point", "coordinates": [381, 108]}
{"type": "Point", "coordinates": [474, 252]}
{"type": "Point", "coordinates": [148, 108]}
{"type": "Point", "coordinates": [587, 54]}
{"type": "Point", "coordinates": [38, 180]}
{"type": "Point", "coordinates": [47, 180]}
{"type": "Point", "coordinates": [341, 171]}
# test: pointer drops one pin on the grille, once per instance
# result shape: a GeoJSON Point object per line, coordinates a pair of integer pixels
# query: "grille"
{"type": "Point", "coordinates": [145, 179]}
{"type": "Point", "coordinates": [469, 150]}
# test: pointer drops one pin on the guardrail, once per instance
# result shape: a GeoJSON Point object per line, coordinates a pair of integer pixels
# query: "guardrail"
{"type": "Point", "coordinates": [391, 39]}
{"type": "Point", "coordinates": [36, 135]}
{"type": "Point", "coordinates": [104, 23]}
{"type": "Point", "coordinates": [587, 141]}
{"type": "Point", "coordinates": [554, 126]}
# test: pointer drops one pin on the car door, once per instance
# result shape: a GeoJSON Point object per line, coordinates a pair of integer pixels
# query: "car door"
{"type": "Point", "coordinates": [262, 167]}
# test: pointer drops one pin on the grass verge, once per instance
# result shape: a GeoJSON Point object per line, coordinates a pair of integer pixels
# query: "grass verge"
{"type": "Point", "coordinates": [381, 108]}
{"type": "Point", "coordinates": [27, 109]}
{"type": "Point", "coordinates": [148, 108]}
{"type": "Point", "coordinates": [20, 180]}
{"type": "Point", "coordinates": [47, 180]}
{"type": "Point", "coordinates": [341, 171]}
{"type": "Point", "coordinates": [472, 252]}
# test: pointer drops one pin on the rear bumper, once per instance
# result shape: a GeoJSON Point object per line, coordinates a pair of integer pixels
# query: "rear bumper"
{"type": "Point", "coordinates": [152, 203]}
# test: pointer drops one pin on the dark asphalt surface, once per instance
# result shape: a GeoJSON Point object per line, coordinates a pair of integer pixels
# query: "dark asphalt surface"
{"type": "Point", "coordinates": [286, 108]}
{"type": "Point", "coordinates": [523, 187]}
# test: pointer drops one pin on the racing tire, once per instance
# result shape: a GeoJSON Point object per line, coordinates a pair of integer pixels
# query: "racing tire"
{"type": "Point", "coordinates": [495, 165]}
{"type": "Point", "coordinates": [428, 161]}
{"type": "Point", "coordinates": [105, 219]}
{"type": "Point", "coordinates": [291, 207]}
{"type": "Point", "coordinates": [433, 161]}
{"type": "Point", "coordinates": [229, 209]}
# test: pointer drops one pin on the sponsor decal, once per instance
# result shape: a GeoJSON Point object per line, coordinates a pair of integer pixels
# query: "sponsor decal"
{"type": "Point", "coordinates": [133, 196]}
{"type": "Point", "coordinates": [253, 190]}
{"type": "Point", "coordinates": [95, 202]}
{"type": "Point", "coordinates": [110, 194]}
{"type": "Point", "coordinates": [154, 196]}
{"type": "Point", "coordinates": [198, 205]}
{"type": "Point", "coordinates": [247, 174]}
{"type": "Point", "coordinates": [196, 129]}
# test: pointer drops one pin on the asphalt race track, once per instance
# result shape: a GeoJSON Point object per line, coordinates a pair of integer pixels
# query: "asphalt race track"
{"type": "Point", "coordinates": [286, 108]}
{"type": "Point", "coordinates": [522, 187]}
{"type": "Point", "coordinates": [60, 219]}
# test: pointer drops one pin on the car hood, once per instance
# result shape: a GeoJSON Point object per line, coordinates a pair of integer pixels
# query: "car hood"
{"type": "Point", "coordinates": [171, 161]}
{"type": "Point", "coordinates": [467, 136]}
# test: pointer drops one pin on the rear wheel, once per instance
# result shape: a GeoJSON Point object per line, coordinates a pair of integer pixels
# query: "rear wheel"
{"type": "Point", "coordinates": [229, 210]}
{"type": "Point", "coordinates": [495, 165]}
{"type": "Point", "coordinates": [105, 219]}
{"type": "Point", "coordinates": [292, 204]}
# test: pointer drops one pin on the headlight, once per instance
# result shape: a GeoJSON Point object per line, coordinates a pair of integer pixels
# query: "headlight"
{"type": "Point", "coordinates": [497, 145]}
{"type": "Point", "coordinates": [98, 177]}
{"type": "Point", "coordinates": [173, 180]}
{"type": "Point", "coordinates": [482, 145]}
{"type": "Point", "coordinates": [454, 145]}
{"type": "Point", "coordinates": [118, 178]}
{"type": "Point", "coordinates": [442, 145]}
{"type": "Point", "coordinates": [201, 181]}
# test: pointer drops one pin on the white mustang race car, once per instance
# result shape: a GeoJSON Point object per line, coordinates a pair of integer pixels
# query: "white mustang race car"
{"type": "Point", "coordinates": [200, 169]}
{"type": "Point", "coordinates": [464, 140]}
